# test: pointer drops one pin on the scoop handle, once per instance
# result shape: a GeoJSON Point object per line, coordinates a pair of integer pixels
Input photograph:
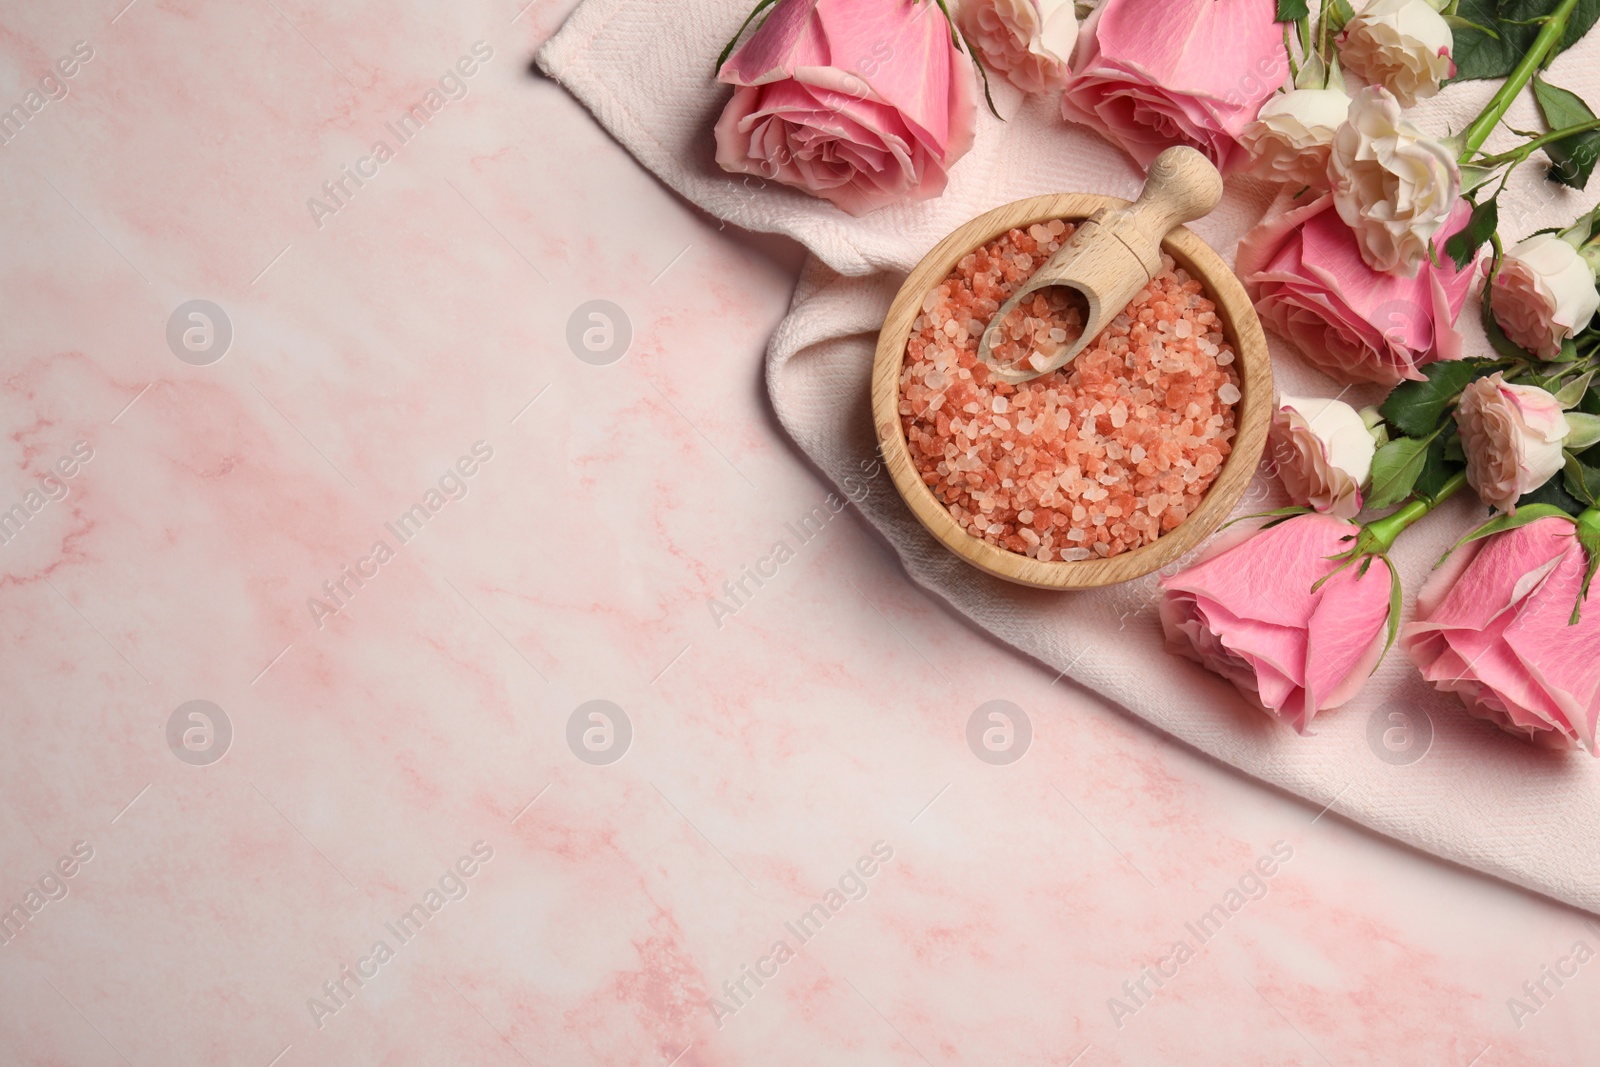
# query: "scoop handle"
{"type": "Point", "coordinates": [1181, 186]}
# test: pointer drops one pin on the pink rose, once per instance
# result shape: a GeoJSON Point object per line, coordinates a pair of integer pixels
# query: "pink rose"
{"type": "Point", "coordinates": [1323, 452]}
{"type": "Point", "coordinates": [1512, 436]}
{"type": "Point", "coordinates": [862, 103]}
{"type": "Point", "coordinates": [1191, 72]}
{"type": "Point", "coordinates": [1491, 626]}
{"type": "Point", "coordinates": [1304, 268]}
{"type": "Point", "coordinates": [1544, 293]}
{"type": "Point", "coordinates": [1249, 615]}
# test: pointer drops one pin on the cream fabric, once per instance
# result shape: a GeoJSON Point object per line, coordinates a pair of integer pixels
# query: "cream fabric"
{"type": "Point", "coordinates": [1477, 797]}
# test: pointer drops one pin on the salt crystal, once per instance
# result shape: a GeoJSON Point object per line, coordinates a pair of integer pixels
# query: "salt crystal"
{"type": "Point", "coordinates": [1168, 410]}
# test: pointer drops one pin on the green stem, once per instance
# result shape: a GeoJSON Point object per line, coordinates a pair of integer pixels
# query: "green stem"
{"type": "Point", "coordinates": [1380, 534]}
{"type": "Point", "coordinates": [1477, 133]}
{"type": "Point", "coordinates": [1527, 148]}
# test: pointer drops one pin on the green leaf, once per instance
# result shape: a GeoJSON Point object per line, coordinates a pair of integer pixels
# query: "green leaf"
{"type": "Point", "coordinates": [1339, 14]}
{"type": "Point", "coordinates": [1395, 469]}
{"type": "Point", "coordinates": [1292, 10]}
{"type": "Point", "coordinates": [1348, 558]}
{"type": "Point", "coordinates": [1394, 611]}
{"type": "Point", "coordinates": [1474, 177]}
{"type": "Point", "coordinates": [1457, 23]}
{"type": "Point", "coordinates": [1462, 246]}
{"type": "Point", "coordinates": [1504, 30]}
{"type": "Point", "coordinates": [1583, 430]}
{"type": "Point", "coordinates": [1524, 514]}
{"type": "Point", "coordinates": [1572, 158]}
{"type": "Point", "coordinates": [1415, 408]}
{"type": "Point", "coordinates": [1581, 480]}
{"type": "Point", "coordinates": [1554, 493]}
{"type": "Point", "coordinates": [1571, 394]}
{"type": "Point", "coordinates": [1437, 466]}
{"type": "Point", "coordinates": [1277, 514]}
{"type": "Point", "coordinates": [1591, 547]}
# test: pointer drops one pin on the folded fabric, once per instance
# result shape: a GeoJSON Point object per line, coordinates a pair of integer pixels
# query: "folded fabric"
{"type": "Point", "coordinates": [1478, 797]}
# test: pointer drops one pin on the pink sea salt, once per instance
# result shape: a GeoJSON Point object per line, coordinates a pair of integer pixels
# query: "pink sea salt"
{"type": "Point", "coordinates": [1094, 459]}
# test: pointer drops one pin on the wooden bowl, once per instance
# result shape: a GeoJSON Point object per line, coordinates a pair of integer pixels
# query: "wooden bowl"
{"type": "Point", "coordinates": [1253, 412]}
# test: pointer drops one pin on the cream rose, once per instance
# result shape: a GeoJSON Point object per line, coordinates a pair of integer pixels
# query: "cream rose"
{"type": "Point", "coordinates": [1402, 45]}
{"type": "Point", "coordinates": [1030, 40]}
{"type": "Point", "coordinates": [1512, 437]}
{"type": "Point", "coordinates": [1392, 186]}
{"type": "Point", "coordinates": [1323, 452]}
{"type": "Point", "coordinates": [1544, 293]}
{"type": "Point", "coordinates": [1292, 135]}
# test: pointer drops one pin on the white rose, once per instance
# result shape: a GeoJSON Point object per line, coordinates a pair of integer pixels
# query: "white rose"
{"type": "Point", "coordinates": [1545, 293]}
{"type": "Point", "coordinates": [1392, 186]}
{"type": "Point", "coordinates": [1323, 452]}
{"type": "Point", "coordinates": [1512, 436]}
{"type": "Point", "coordinates": [1031, 40]}
{"type": "Point", "coordinates": [1292, 134]}
{"type": "Point", "coordinates": [1402, 45]}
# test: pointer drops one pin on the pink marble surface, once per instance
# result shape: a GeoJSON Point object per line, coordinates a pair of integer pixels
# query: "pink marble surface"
{"type": "Point", "coordinates": [383, 750]}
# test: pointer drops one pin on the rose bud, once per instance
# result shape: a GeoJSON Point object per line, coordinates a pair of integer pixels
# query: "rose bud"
{"type": "Point", "coordinates": [1030, 40]}
{"type": "Point", "coordinates": [1402, 45]}
{"type": "Point", "coordinates": [863, 104]}
{"type": "Point", "coordinates": [1191, 72]}
{"type": "Point", "coordinates": [1251, 616]}
{"type": "Point", "coordinates": [1492, 626]}
{"type": "Point", "coordinates": [1293, 133]}
{"type": "Point", "coordinates": [1512, 436]}
{"type": "Point", "coordinates": [1393, 186]}
{"type": "Point", "coordinates": [1304, 269]}
{"type": "Point", "coordinates": [1323, 452]}
{"type": "Point", "coordinates": [1544, 293]}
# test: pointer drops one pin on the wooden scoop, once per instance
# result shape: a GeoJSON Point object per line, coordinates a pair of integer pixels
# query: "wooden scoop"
{"type": "Point", "coordinates": [1113, 254]}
